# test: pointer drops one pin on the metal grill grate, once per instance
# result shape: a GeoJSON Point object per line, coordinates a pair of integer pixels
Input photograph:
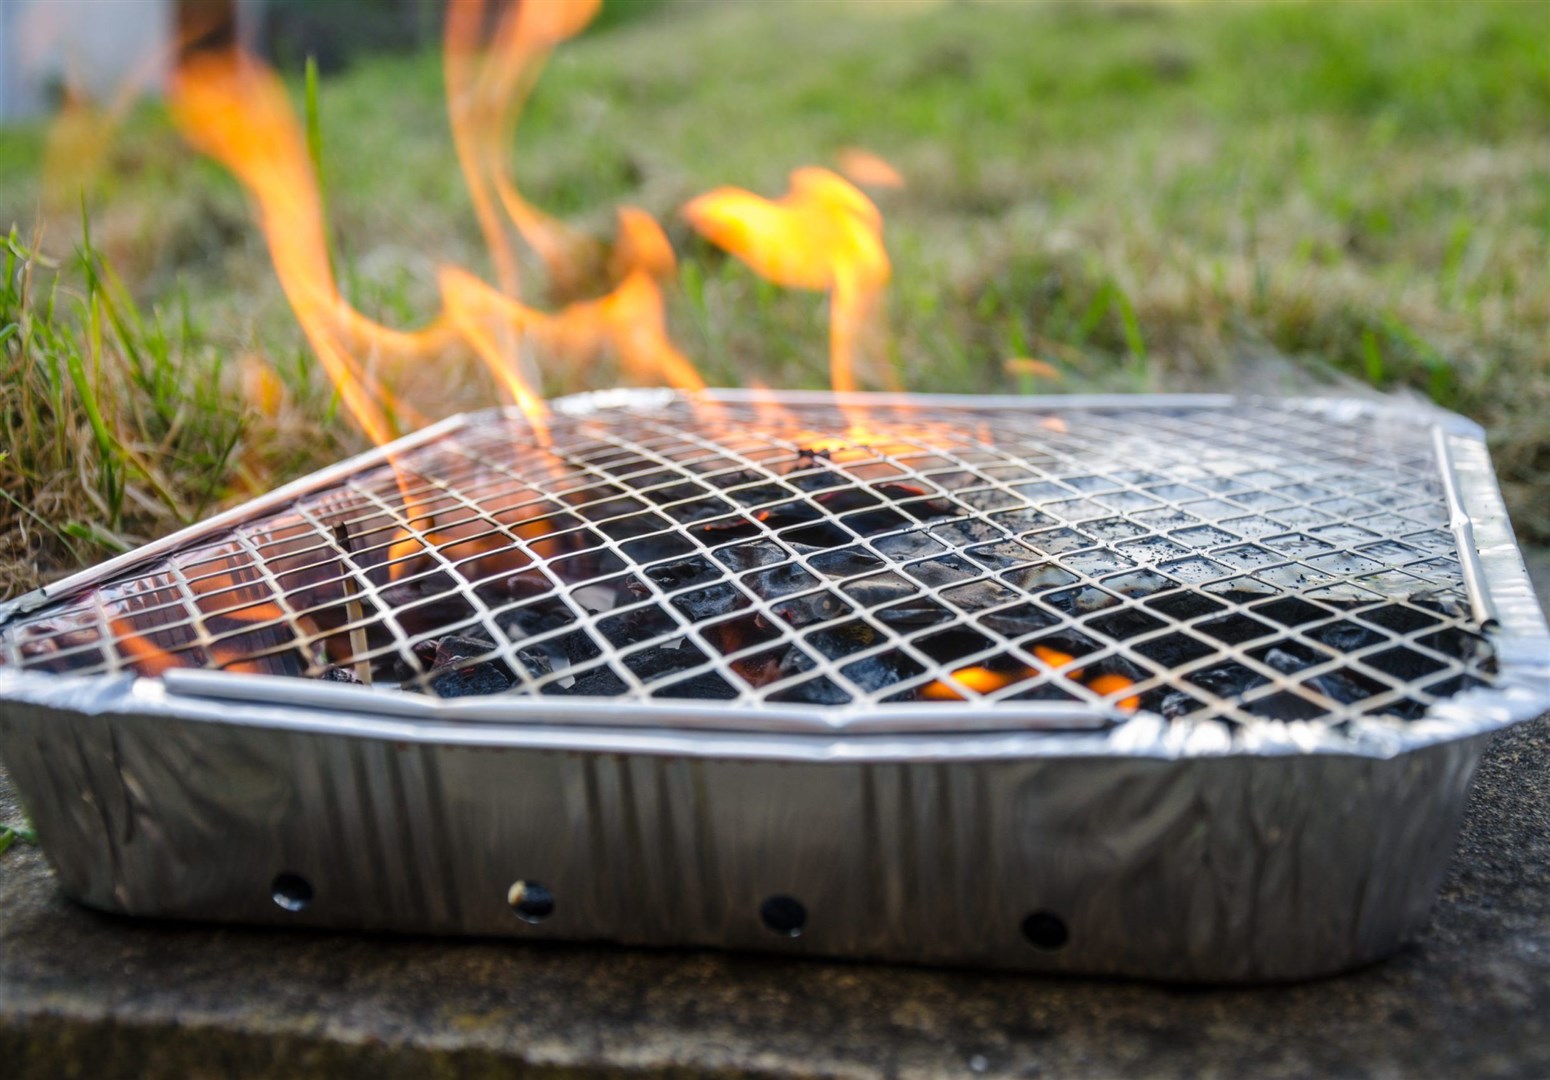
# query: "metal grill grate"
{"type": "Point", "coordinates": [1210, 559]}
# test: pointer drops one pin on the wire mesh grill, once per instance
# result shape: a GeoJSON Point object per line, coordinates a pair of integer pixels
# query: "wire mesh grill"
{"type": "Point", "coordinates": [1282, 560]}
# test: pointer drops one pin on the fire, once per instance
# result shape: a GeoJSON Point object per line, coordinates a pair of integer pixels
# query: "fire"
{"type": "Point", "coordinates": [867, 169]}
{"type": "Point", "coordinates": [824, 235]}
{"type": "Point", "coordinates": [487, 87]}
{"type": "Point", "coordinates": [980, 680]}
{"type": "Point", "coordinates": [237, 112]}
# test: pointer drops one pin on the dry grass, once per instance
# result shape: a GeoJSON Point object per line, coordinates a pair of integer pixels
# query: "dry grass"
{"type": "Point", "coordinates": [1264, 197]}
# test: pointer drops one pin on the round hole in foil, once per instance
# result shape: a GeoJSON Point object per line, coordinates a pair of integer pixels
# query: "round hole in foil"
{"type": "Point", "coordinates": [784, 915]}
{"type": "Point", "coordinates": [530, 901]}
{"type": "Point", "coordinates": [1046, 931]}
{"type": "Point", "coordinates": [291, 892]}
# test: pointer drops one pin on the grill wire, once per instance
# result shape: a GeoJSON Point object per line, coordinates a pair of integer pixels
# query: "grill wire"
{"type": "Point", "coordinates": [1276, 560]}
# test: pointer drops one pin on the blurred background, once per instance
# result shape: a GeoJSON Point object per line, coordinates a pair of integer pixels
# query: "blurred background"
{"type": "Point", "coordinates": [1117, 196]}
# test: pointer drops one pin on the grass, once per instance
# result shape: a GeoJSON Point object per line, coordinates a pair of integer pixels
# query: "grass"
{"type": "Point", "coordinates": [14, 831]}
{"type": "Point", "coordinates": [1273, 196]}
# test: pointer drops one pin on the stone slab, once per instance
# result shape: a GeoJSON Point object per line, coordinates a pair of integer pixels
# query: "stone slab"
{"type": "Point", "coordinates": [84, 993]}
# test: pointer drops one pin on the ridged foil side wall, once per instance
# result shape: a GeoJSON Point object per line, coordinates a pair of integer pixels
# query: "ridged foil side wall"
{"type": "Point", "coordinates": [1237, 868]}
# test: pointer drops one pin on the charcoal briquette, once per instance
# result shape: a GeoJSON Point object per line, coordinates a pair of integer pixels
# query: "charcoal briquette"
{"type": "Point", "coordinates": [476, 679]}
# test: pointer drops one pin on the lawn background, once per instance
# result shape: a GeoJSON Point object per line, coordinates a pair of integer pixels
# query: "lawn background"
{"type": "Point", "coordinates": [1146, 196]}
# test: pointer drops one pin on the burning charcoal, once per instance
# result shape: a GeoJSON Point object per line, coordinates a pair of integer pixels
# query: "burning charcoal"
{"type": "Point", "coordinates": [658, 660]}
{"type": "Point", "coordinates": [1019, 621]}
{"type": "Point", "coordinates": [844, 500]}
{"type": "Point", "coordinates": [818, 480]}
{"type": "Point", "coordinates": [1173, 704]}
{"type": "Point", "coordinates": [837, 641]}
{"type": "Point", "coordinates": [780, 580]}
{"type": "Point", "coordinates": [954, 644]}
{"type": "Point", "coordinates": [915, 503]}
{"type": "Point", "coordinates": [537, 662]}
{"type": "Point", "coordinates": [598, 682]}
{"type": "Point", "coordinates": [744, 631]}
{"type": "Point", "coordinates": [1346, 687]}
{"type": "Point", "coordinates": [747, 556]}
{"type": "Point", "coordinates": [637, 625]}
{"type": "Point", "coordinates": [476, 679]}
{"type": "Point", "coordinates": [534, 619]}
{"type": "Point", "coordinates": [819, 536]}
{"type": "Point", "coordinates": [334, 673]}
{"type": "Point", "coordinates": [722, 598]}
{"type": "Point", "coordinates": [1052, 690]}
{"type": "Point", "coordinates": [818, 691]}
{"type": "Point", "coordinates": [875, 522]}
{"type": "Point", "coordinates": [802, 611]}
{"type": "Point", "coordinates": [962, 534]}
{"type": "Point", "coordinates": [1227, 680]}
{"type": "Point", "coordinates": [1347, 636]}
{"type": "Point", "coordinates": [845, 562]}
{"type": "Point", "coordinates": [454, 648]}
{"type": "Point", "coordinates": [450, 680]}
{"type": "Point", "coordinates": [707, 686]}
{"type": "Point", "coordinates": [912, 614]}
{"type": "Point", "coordinates": [879, 589]}
{"type": "Point", "coordinates": [739, 527]}
{"type": "Point", "coordinates": [424, 652]}
{"type": "Point", "coordinates": [873, 673]}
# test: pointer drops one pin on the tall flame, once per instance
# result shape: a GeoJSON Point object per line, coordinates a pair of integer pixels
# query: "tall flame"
{"type": "Point", "coordinates": [236, 111]}
{"type": "Point", "coordinates": [823, 234]}
{"type": "Point", "coordinates": [488, 84]}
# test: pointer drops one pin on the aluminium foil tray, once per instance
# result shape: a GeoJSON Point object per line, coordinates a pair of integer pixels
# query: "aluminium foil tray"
{"type": "Point", "coordinates": [1039, 832]}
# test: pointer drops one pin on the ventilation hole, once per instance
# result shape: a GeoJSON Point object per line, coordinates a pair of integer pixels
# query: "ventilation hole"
{"type": "Point", "coordinates": [784, 915]}
{"type": "Point", "coordinates": [1045, 930]}
{"type": "Point", "coordinates": [292, 892]}
{"type": "Point", "coordinates": [530, 901]}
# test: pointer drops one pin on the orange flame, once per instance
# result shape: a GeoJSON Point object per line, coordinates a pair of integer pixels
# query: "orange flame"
{"type": "Point", "coordinates": [146, 657]}
{"type": "Point", "coordinates": [237, 112]}
{"type": "Point", "coordinates": [867, 169]}
{"type": "Point", "coordinates": [487, 87]}
{"type": "Point", "coordinates": [823, 234]}
{"type": "Point", "coordinates": [981, 680]}
{"type": "Point", "coordinates": [984, 680]}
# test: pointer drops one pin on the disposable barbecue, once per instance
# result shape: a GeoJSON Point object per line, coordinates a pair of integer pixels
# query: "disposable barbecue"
{"type": "Point", "coordinates": [1185, 687]}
